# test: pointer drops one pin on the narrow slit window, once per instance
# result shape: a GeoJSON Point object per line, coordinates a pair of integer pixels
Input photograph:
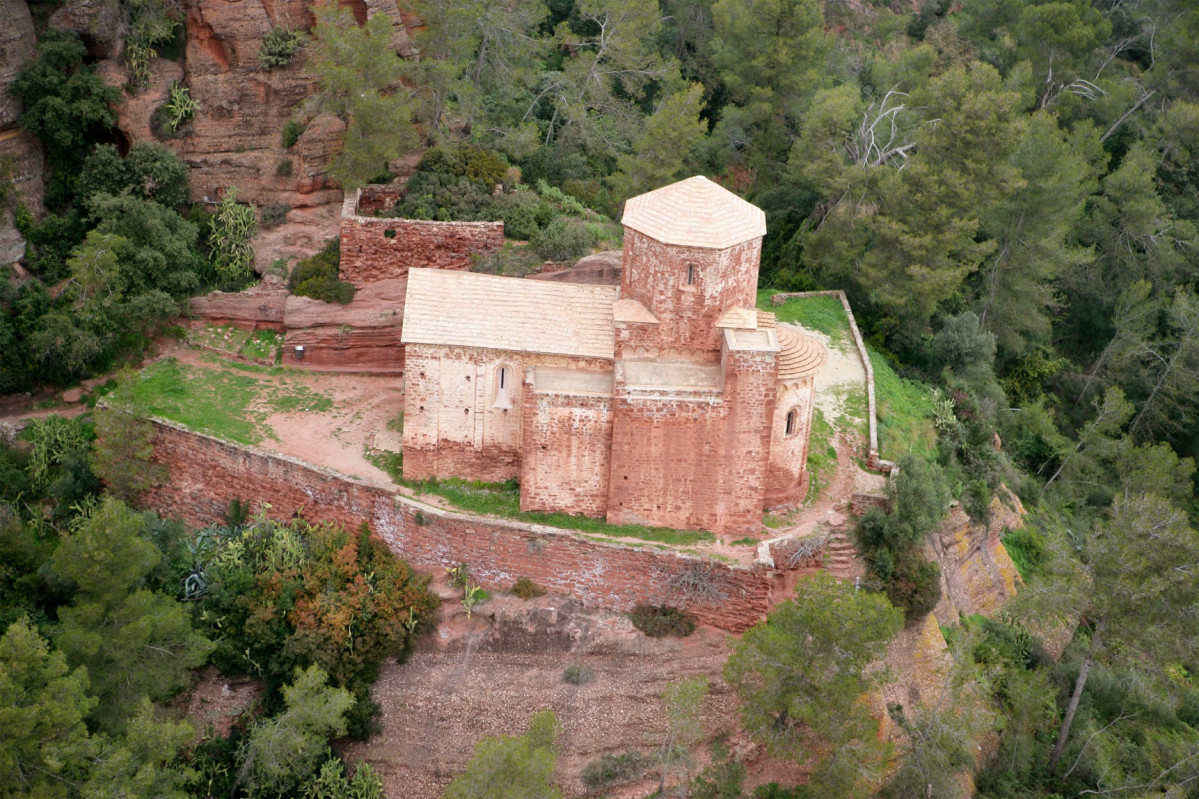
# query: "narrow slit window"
{"type": "Point", "coordinates": [503, 388]}
{"type": "Point", "coordinates": [690, 274]}
{"type": "Point", "coordinates": [791, 419]}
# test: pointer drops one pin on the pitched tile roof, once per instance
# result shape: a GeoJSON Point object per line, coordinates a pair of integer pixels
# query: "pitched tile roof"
{"type": "Point", "coordinates": [696, 213]}
{"type": "Point", "coordinates": [467, 309]}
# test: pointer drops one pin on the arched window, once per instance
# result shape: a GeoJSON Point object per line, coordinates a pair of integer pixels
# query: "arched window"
{"type": "Point", "coordinates": [690, 274]}
{"type": "Point", "coordinates": [792, 422]}
{"type": "Point", "coordinates": [504, 376]}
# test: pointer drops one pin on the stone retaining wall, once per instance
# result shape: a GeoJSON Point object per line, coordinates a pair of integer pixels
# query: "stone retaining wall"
{"type": "Point", "coordinates": [205, 473]}
{"type": "Point", "coordinates": [872, 458]}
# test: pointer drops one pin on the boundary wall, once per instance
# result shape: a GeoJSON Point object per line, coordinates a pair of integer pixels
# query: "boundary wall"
{"type": "Point", "coordinates": [205, 473]}
{"type": "Point", "coordinates": [872, 458]}
{"type": "Point", "coordinates": [380, 248]}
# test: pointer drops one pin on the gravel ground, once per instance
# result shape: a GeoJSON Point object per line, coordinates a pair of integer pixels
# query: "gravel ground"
{"type": "Point", "coordinates": [488, 675]}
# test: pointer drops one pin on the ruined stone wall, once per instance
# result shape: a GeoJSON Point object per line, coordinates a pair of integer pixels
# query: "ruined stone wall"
{"type": "Point", "coordinates": [655, 274]}
{"type": "Point", "coordinates": [456, 424]}
{"type": "Point", "coordinates": [567, 451]}
{"type": "Point", "coordinates": [206, 473]}
{"type": "Point", "coordinates": [379, 248]}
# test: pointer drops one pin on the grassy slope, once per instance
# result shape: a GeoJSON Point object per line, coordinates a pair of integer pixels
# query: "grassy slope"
{"type": "Point", "coordinates": [229, 401]}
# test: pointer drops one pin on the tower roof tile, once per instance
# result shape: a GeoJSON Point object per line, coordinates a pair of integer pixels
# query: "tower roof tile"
{"type": "Point", "coordinates": [695, 213]}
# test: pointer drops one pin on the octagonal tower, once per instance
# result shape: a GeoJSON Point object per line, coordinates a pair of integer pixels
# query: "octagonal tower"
{"type": "Point", "coordinates": [691, 253]}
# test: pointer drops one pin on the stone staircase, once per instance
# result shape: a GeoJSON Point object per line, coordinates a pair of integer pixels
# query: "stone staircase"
{"type": "Point", "coordinates": [841, 555]}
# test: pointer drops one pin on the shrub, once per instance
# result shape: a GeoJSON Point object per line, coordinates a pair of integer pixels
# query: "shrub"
{"type": "Point", "coordinates": [326, 289]}
{"type": "Point", "coordinates": [523, 213]}
{"type": "Point", "coordinates": [609, 771]}
{"type": "Point", "coordinates": [514, 261]}
{"type": "Point", "coordinates": [180, 107]}
{"type": "Point", "coordinates": [560, 241]}
{"type": "Point", "coordinates": [657, 621]}
{"type": "Point", "coordinates": [279, 47]}
{"type": "Point", "coordinates": [527, 589]}
{"type": "Point", "coordinates": [1026, 547]}
{"type": "Point", "coordinates": [442, 197]}
{"type": "Point", "coordinates": [283, 169]}
{"type": "Point", "coordinates": [274, 214]}
{"type": "Point", "coordinates": [892, 543]}
{"type": "Point", "coordinates": [229, 234]}
{"type": "Point", "coordinates": [160, 123]}
{"type": "Point", "coordinates": [324, 264]}
{"type": "Point", "coordinates": [290, 595]}
{"type": "Point", "coordinates": [578, 674]}
{"type": "Point", "coordinates": [466, 161]}
{"type": "Point", "coordinates": [290, 134]}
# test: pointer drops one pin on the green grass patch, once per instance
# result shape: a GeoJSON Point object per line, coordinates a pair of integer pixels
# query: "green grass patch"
{"type": "Point", "coordinates": [905, 413]}
{"type": "Point", "coordinates": [822, 455]}
{"type": "Point", "coordinates": [223, 402]}
{"type": "Point", "coordinates": [745, 542]}
{"type": "Point", "coordinates": [390, 462]}
{"type": "Point", "coordinates": [263, 346]}
{"type": "Point", "coordinates": [209, 401]}
{"type": "Point", "coordinates": [824, 314]}
{"type": "Point", "coordinates": [503, 499]}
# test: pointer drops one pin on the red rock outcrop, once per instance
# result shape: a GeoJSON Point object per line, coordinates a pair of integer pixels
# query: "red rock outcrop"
{"type": "Point", "coordinates": [17, 147]}
{"type": "Point", "coordinates": [363, 335]}
{"type": "Point", "coordinates": [977, 574]}
{"type": "Point", "coordinates": [260, 307]}
{"type": "Point", "coordinates": [17, 43]}
{"type": "Point", "coordinates": [97, 22]}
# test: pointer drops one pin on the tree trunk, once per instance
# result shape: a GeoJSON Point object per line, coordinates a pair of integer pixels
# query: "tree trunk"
{"type": "Point", "coordinates": [1079, 684]}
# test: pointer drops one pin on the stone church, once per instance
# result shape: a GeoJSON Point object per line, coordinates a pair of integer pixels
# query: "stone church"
{"type": "Point", "coordinates": [668, 400]}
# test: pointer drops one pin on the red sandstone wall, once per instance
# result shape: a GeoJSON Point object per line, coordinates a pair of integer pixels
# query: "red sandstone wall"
{"type": "Point", "coordinates": [567, 453]}
{"type": "Point", "coordinates": [370, 253]}
{"type": "Point", "coordinates": [679, 462]}
{"type": "Point", "coordinates": [655, 274]}
{"type": "Point", "coordinates": [206, 473]}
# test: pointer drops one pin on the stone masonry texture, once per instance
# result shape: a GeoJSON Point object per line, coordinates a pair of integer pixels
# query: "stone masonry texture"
{"type": "Point", "coordinates": [380, 248]}
{"type": "Point", "coordinates": [206, 473]}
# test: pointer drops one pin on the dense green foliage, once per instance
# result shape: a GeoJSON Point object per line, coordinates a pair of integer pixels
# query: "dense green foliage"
{"type": "Point", "coordinates": [317, 276]}
{"type": "Point", "coordinates": [113, 238]}
{"type": "Point", "coordinates": [107, 611]}
{"type": "Point", "coordinates": [279, 597]}
{"type": "Point", "coordinates": [358, 70]}
{"type": "Point", "coordinates": [801, 674]}
{"type": "Point", "coordinates": [892, 544]}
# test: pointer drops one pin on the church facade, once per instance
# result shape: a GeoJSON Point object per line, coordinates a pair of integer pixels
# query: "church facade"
{"type": "Point", "coordinates": [667, 401]}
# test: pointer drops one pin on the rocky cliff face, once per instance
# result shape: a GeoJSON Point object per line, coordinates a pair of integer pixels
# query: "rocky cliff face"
{"type": "Point", "coordinates": [977, 574]}
{"type": "Point", "coordinates": [19, 152]}
{"type": "Point", "coordinates": [234, 139]}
